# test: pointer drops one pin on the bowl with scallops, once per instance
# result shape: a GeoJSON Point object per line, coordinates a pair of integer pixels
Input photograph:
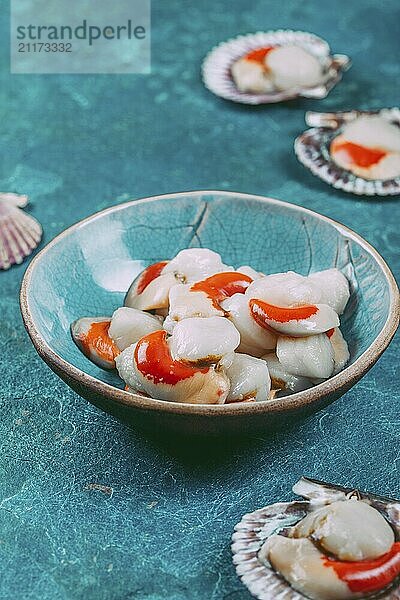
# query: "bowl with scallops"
{"type": "Point", "coordinates": [209, 312]}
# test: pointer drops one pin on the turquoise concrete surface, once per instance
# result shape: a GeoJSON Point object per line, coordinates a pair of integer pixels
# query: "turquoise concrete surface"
{"type": "Point", "coordinates": [89, 508]}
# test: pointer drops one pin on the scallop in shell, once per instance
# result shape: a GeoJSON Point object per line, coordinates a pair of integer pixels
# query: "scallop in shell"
{"type": "Point", "coordinates": [19, 232]}
{"type": "Point", "coordinates": [256, 528]}
{"type": "Point", "coordinates": [216, 69]}
{"type": "Point", "coordinates": [312, 148]}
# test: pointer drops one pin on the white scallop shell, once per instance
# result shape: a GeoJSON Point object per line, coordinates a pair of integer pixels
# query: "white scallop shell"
{"type": "Point", "coordinates": [19, 232]}
{"type": "Point", "coordinates": [216, 68]}
{"type": "Point", "coordinates": [312, 149]}
{"type": "Point", "coordinates": [256, 527]}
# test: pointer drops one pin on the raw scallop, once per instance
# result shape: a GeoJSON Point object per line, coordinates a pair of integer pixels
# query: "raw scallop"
{"type": "Point", "coordinates": [334, 288]}
{"type": "Point", "coordinates": [128, 325]}
{"type": "Point", "coordinates": [185, 303]}
{"type": "Point", "coordinates": [310, 356]}
{"type": "Point", "coordinates": [149, 367]}
{"type": "Point", "coordinates": [252, 335]}
{"type": "Point", "coordinates": [282, 379]}
{"type": "Point", "coordinates": [203, 340]}
{"type": "Point", "coordinates": [349, 529]}
{"type": "Point", "coordinates": [91, 335]}
{"type": "Point", "coordinates": [195, 264]}
{"type": "Point", "coordinates": [249, 379]}
{"type": "Point", "coordinates": [341, 352]}
{"type": "Point", "coordinates": [302, 565]}
{"type": "Point", "coordinates": [296, 321]}
{"type": "Point", "coordinates": [155, 294]}
{"type": "Point", "coordinates": [285, 289]}
{"type": "Point", "coordinates": [126, 367]}
{"type": "Point", "coordinates": [293, 67]}
{"type": "Point", "coordinates": [251, 76]}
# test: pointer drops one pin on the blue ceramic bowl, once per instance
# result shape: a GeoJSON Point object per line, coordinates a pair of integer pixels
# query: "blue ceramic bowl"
{"type": "Point", "coordinates": [86, 270]}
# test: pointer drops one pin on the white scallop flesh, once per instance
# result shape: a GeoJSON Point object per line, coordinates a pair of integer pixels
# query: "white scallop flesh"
{"type": "Point", "coordinates": [322, 320]}
{"type": "Point", "coordinates": [284, 289]}
{"type": "Point", "coordinates": [211, 387]}
{"type": "Point", "coordinates": [334, 288]}
{"type": "Point", "coordinates": [349, 529]}
{"type": "Point", "coordinates": [169, 324]}
{"type": "Point", "coordinates": [341, 352]}
{"type": "Point", "coordinates": [293, 67]}
{"type": "Point", "coordinates": [249, 379]}
{"type": "Point", "coordinates": [311, 356]}
{"type": "Point", "coordinates": [373, 131]}
{"type": "Point", "coordinates": [194, 264]}
{"type": "Point", "coordinates": [282, 379]}
{"type": "Point", "coordinates": [203, 339]}
{"type": "Point", "coordinates": [128, 325]}
{"type": "Point", "coordinates": [226, 360]}
{"type": "Point", "coordinates": [387, 168]}
{"type": "Point", "coordinates": [251, 76]}
{"type": "Point", "coordinates": [185, 302]}
{"type": "Point", "coordinates": [252, 335]}
{"type": "Point", "coordinates": [302, 565]}
{"type": "Point", "coordinates": [126, 368]}
{"type": "Point", "coordinates": [250, 272]}
{"type": "Point", "coordinates": [155, 294]}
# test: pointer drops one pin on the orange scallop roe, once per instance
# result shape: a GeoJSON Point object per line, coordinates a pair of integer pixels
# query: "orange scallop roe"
{"type": "Point", "coordinates": [222, 285]}
{"type": "Point", "coordinates": [368, 576]}
{"type": "Point", "coordinates": [153, 359]}
{"type": "Point", "coordinates": [259, 54]}
{"type": "Point", "coordinates": [356, 154]}
{"type": "Point", "coordinates": [148, 275]}
{"type": "Point", "coordinates": [97, 340]}
{"type": "Point", "coordinates": [262, 312]}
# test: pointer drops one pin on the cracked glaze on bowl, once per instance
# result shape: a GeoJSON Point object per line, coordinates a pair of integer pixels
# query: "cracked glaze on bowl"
{"type": "Point", "coordinates": [87, 269]}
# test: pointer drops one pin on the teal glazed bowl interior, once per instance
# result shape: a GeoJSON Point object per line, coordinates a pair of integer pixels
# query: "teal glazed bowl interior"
{"type": "Point", "coordinates": [86, 270]}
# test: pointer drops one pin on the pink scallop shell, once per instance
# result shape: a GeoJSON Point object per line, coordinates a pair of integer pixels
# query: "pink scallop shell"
{"type": "Point", "coordinates": [256, 527]}
{"type": "Point", "coordinates": [312, 150]}
{"type": "Point", "coordinates": [19, 232]}
{"type": "Point", "coordinates": [216, 68]}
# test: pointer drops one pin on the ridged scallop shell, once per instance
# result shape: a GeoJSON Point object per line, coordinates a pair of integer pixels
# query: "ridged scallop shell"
{"type": "Point", "coordinates": [216, 68]}
{"type": "Point", "coordinates": [256, 527]}
{"type": "Point", "coordinates": [19, 232]}
{"type": "Point", "coordinates": [312, 149]}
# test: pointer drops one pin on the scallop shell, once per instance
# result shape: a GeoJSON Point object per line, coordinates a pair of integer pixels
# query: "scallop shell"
{"type": "Point", "coordinates": [216, 68]}
{"type": "Point", "coordinates": [312, 149]}
{"type": "Point", "coordinates": [256, 527]}
{"type": "Point", "coordinates": [19, 232]}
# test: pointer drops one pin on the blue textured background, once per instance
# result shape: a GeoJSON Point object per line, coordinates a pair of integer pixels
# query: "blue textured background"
{"type": "Point", "coordinates": [90, 509]}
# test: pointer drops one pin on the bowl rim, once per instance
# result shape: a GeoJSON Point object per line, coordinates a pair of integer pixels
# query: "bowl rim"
{"type": "Point", "coordinates": [295, 401]}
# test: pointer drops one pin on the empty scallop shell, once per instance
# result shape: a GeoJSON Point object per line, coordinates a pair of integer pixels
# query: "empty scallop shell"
{"type": "Point", "coordinates": [19, 232]}
{"type": "Point", "coordinates": [256, 527]}
{"type": "Point", "coordinates": [216, 68]}
{"type": "Point", "coordinates": [312, 149]}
